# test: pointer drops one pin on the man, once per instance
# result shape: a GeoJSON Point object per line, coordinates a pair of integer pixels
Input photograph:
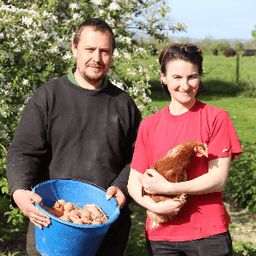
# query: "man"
{"type": "Point", "coordinates": [78, 126]}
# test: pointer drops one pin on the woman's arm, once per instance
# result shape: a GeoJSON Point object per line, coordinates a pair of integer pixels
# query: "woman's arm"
{"type": "Point", "coordinates": [213, 181]}
{"type": "Point", "coordinates": [169, 207]}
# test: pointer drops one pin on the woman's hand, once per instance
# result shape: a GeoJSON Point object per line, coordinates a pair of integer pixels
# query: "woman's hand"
{"type": "Point", "coordinates": [169, 207]}
{"type": "Point", "coordinates": [155, 183]}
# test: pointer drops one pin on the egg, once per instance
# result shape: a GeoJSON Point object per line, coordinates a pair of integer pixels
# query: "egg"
{"type": "Point", "coordinates": [68, 206]}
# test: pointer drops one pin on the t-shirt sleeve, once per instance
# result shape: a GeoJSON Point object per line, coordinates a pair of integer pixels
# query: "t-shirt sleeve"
{"type": "Point", "coordinates": [223, 138]}
{"type": "Point", "coordinates": [140, 155]}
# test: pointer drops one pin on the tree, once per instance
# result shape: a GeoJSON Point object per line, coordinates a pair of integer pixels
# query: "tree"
{"type": "Point", "coordinates": [254, 34]}
{"type": "Point", "coordinates": [35, 38]}
{"type": "Point", "coordinates": [206, 43]}
{"type": "Point", "coordinates": [238, 46]}
{"type": "Point", "coordinates": [219, 46]}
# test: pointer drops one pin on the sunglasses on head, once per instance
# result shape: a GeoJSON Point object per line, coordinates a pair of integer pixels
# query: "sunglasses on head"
{"type": "Point", "coordinates": [187, 48]}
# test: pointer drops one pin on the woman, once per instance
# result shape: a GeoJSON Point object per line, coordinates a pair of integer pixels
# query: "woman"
{"type": "Point", "coordinates": [200, 224]}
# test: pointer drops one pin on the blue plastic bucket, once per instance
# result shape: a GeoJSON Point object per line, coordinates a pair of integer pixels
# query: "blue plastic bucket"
{"type": "Point", "coordinates": [66, 238]}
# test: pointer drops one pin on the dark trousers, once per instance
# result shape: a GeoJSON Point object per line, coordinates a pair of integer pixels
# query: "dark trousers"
{"type": "Point", "coordinates": [218, 245]}
{"type": "Point", "coordinates": [113, 243]}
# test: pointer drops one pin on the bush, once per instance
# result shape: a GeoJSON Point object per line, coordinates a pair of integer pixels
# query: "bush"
{"type": "Point", "coordinates": [241, 184]}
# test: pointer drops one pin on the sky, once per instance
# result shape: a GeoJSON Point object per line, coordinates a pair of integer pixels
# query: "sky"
{"type": "Point", "coordinates": [221, 19]}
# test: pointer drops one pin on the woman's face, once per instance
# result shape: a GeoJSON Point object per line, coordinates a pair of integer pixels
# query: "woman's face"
{"type": "Point", "coordinates": [182, 79]}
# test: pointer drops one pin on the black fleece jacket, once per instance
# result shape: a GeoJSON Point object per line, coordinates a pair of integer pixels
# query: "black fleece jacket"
{"type": "Point", "coordinates": [67, 131]}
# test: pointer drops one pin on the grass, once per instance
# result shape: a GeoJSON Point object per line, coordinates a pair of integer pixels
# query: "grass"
{"type": "Point", "coordinates": [242, 111]}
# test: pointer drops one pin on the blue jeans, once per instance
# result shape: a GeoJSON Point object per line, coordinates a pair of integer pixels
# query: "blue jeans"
{"type": "Point", "coordinates": [218, 245]}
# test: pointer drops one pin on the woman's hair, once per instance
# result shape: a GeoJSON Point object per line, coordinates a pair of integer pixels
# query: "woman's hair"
{"type": "Point", "coordinates": [187, 52]}
{"type": "Point", "coordinates": [98, 25]}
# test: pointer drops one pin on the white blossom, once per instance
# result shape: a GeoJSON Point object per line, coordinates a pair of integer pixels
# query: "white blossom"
{"type": "Point", "coordinates": [12, 44]}
{"type": "Point", "coordinates": [118, 84]}
{"type": "Point", "coordinates": [3, 113]}
{"type": "Point", "coordinates": [116, 53]}
{"type": "Point", "coordinates": [45, 13]}
{"type": "Point", "coordinates": [4, 134]}
{"type": "Point", "coordinates": [27, 20]}
{"type": "Point", "coordinates": [25, 81]}
{"type": "Point", "coordinates": [67, 56]}
{"type": "Point", "coordinates": [101, 12]}
{"type": "Point", "coordinates": [7, 55]}
{"type": "Point", "coordinates": [76, 16]}
{"type": "Point", "coordinates": [97, 2]}
{"type": "Point", "coordinates": [111, 22]}
{"type": "Point", "coordinates": [53, 49]}
{"type": "Point", "coordinates": [74, 6]}
{"type": "Point", "coordinates": [127, 55]}
{"type": "Point", "coordinates": [114, 6]}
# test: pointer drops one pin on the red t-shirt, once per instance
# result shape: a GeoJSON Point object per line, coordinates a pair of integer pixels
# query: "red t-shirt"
{"type": "Point", "coordinates": [202, 215]}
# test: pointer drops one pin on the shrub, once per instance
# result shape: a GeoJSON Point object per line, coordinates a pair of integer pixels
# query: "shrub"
{"type": "Point", "coordinates": [241, 184]}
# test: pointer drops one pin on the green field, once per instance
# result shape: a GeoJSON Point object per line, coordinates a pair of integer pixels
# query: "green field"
{"type": "Point", "coordinates": [242, 111]}
{"type": "Point", "coordinates": [221, 90]}
{"type": "Point", "coordinates": [220, 71]}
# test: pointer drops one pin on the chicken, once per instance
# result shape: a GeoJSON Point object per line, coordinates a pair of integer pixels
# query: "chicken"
{"type": "Point", "coordinates": [173, 168]}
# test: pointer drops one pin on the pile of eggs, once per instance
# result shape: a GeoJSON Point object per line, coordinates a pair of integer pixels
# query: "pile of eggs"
{"type": "Point", "coordinates": [89, 215]}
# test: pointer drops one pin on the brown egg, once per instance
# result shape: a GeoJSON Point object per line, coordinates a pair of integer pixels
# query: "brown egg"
{"type": "Point", "coordinates": [61, 201]}
{"type": "Point", "coordinates": [96, 222]}
{"type": "Point", "coordinates": [49, 210]}
{"type": "Point", "coordinates": [66, 218]}
{"type": "Point", "coordinates": [76, 221]}
{"type": "Point", "coordinates": [86, 220]}
{"type": "Point", "coordinates": [104, 219]}
{"type": "Point", "coordinates": [57, 212]}
{"type": "Point", "coordinates": [93, 209]}
{"type": "Point", "coordinates": [68, 206]}
{"type": "Point", "coordinates": [46, 208]}
{"type": "Point", "coordinates": [58, 206]}
{"type": "Point", "coordinates": [73, 213]}
{"type": "Point", "coordinates": [85, 213]}
{"type": "Point", "coordinates": [66, 213]}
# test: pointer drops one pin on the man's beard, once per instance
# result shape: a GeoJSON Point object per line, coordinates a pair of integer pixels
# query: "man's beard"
{"type": "Point", "coordinates": [92, 79]}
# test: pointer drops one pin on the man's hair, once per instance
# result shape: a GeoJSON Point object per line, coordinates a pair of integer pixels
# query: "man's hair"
{"type": "Point", "coordinates": [98, 25]}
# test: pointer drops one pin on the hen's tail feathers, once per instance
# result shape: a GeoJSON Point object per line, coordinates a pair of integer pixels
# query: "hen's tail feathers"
{"type": "Point", "coordinates": [156, 219]}
{"type": "Point", "coordinates": [153, 224]}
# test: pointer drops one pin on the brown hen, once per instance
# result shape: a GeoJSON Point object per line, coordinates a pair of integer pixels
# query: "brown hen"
{"type": "Point", "coordinates": [173, 168]}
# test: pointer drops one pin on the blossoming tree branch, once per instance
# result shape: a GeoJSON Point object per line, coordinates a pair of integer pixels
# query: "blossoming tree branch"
{"type": "Point", "coordinates": [36, 36]}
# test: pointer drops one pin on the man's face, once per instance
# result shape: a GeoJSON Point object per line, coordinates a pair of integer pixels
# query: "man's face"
{"type": "Point", "coordinates": [94, 55]}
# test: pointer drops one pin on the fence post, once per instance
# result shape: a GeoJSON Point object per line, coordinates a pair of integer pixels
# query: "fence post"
{"type": "Point", "coordinates": [237, 66]}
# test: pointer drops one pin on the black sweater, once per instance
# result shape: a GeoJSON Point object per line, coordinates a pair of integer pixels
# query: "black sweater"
{"type": "Point", "coordinates": [67, 131]}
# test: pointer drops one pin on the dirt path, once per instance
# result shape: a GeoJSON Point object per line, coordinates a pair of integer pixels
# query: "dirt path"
{"type": "Point", "coordinates": [243, 223]}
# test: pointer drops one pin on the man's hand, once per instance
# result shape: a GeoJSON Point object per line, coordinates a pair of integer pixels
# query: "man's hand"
{"type": "Point", "coordinates": [117, 194]}
{"type": "Point", "coordinates": [25, 200]}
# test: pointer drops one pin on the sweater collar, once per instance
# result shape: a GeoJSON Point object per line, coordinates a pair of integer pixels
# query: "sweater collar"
{"type": "Point", "coordinates": [72, 79]}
